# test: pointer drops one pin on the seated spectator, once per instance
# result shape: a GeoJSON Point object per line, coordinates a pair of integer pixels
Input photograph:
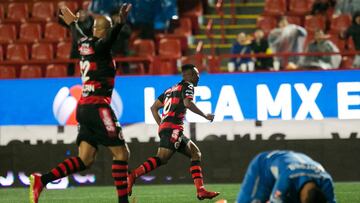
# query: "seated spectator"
{"type": "Point", "coordinates": [347, 7]}
{"type": "Point", "coordinates": [322, 44]}
{"type": "Point", "coordinates": [85, 22]}
{"type": "Point", "coordinates": [241, 46]}
{"type": "Point", "coordinates": [287, 38]}
{"type": "Point", "coordinates": [261, 45]}
{"type": "Point", "coordinates": [354, 32]}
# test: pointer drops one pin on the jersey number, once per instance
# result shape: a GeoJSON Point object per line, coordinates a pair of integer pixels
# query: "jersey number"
{"type": "Point", "coordinates": [84, 69]}
{"type": "Point", "coordinates": [167, 106]}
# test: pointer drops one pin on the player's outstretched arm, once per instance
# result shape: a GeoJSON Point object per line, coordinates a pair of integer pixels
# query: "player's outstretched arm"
{"type": "Point", "coordinates": [155, 111]}
{"type": "Point", "coordinates": [191, 105]}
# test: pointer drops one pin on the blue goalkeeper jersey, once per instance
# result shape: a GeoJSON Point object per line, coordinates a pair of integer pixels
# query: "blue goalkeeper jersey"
{"type": "Point", "coordinates": [278, 176]}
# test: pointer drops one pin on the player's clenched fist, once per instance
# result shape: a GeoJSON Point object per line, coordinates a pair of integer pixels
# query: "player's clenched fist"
{"type": "Point", "coordinates": [210, 117]}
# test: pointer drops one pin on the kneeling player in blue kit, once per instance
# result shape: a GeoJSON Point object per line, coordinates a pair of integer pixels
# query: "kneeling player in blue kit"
{"type": "Point", "coordinates": [286, 176]}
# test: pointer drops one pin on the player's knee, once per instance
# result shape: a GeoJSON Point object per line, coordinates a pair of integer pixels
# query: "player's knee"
{"type": "Point", "coordinates": [122, 156]}
{"type": "Point", "coordinates": [88, 161]}
{"type": "Point", "coordinates": [196, 155]}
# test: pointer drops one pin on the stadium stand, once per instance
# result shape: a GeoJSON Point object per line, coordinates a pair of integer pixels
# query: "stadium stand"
{"type": "Point", "coordinates": [63, 50]}
{"type": "Point", "coordinates": [300, 8]}
{"type": "Point", "coordinates": [275, 7]}
{"type": "Point", "coordinates": [56, 71]}
{"type": "Point", "coordinates": [313, 23]}
{"type": "Point", "coordinates": [30, 28]}
{"type": "Point", "coordinates": [55, 32]}
{"type": "Point", "coordinates": [7, 72]}
{"type": "Point", "coordinates": [30, 71]}
{"type": "Point", "coordinates": [43, 11]}
{"type": "Point", "coordinates": [18, 11]}
{"type": "Point", "coordinates": [42, 51]}
{"type": "Point", "coordinates": [17, 52]}
{"type": "Point", "coordinates": [8, 33]}
{"type": "Point", "coordinates": [30, 32]}
{"type": "Point", "coordinates": [340, 23]}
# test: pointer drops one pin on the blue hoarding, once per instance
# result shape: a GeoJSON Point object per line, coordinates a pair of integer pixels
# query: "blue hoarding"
{"type": "Point", "coordinates": [260, 96]}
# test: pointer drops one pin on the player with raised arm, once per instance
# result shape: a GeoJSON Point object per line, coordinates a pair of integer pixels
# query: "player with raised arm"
{"type": "Point", "coordinates": [97, 121]}
{"type": "Point", "coordinates": [174, 102]}
{"type": "Point", "coordinates": [286, 176]}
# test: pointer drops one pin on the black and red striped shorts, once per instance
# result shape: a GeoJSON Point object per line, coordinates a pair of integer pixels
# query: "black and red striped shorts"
{"type": "Point", "coordinates": [173, 139]}
{"type": "Point", "coordinates": [98, 125]}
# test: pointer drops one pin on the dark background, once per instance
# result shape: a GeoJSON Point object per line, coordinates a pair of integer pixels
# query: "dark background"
{"type": "Point", "coordinates": [223, 161]}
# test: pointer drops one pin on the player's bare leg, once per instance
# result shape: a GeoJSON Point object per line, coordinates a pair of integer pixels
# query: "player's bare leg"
{"type": "Point", "coordinates": [120, 171]}
{"type": "Point", "coordinates": [161, 158]}
{"type": "Point", "coordinates": [71, 165]}
{"type": "Point", "coordinates": [193, 152]}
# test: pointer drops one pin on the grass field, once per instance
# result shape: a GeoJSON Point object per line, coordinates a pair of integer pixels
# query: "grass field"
{"type": "Point", "coordinates": [345, 192]}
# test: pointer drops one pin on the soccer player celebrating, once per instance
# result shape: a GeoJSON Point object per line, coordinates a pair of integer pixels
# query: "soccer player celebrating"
{"type": "Point", "coordinates": [286, 176]}
{"type": "Point", "coordinates": [97, 121]}
{"type": "Point", "coordinates": [174, 102]}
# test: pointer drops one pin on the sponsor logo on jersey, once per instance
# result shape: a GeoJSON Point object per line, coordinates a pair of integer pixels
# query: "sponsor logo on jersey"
{"type": "Point", "coordinates": [86, 49]}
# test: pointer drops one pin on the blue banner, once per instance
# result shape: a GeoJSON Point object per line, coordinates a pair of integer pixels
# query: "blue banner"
{"type": "Point", "coordinates": [259, 96]}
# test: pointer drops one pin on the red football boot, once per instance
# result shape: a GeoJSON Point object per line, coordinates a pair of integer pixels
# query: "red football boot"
{"type": "Point", "coordinates": [36, 187]}
{"type": "Point", "coordinates": [203, 194]}
{"type": "Point", "coordinates": [130, 182]}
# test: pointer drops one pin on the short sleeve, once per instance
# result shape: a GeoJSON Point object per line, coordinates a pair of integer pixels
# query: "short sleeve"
{"type": "Point", "coordinates": [188, 91]}
{"type": "Point", "coordinates": [161, 98]}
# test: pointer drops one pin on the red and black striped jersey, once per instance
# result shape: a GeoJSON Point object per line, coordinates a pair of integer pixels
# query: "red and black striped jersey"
{"type": "Point", "coordinates": [97, 67]}
{"type": "Point", "coordinates": [174, 109]}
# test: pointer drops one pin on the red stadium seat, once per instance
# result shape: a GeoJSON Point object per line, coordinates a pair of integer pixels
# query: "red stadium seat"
{"type": "Point", "coordinates": [42, 51]}
{"type": "Point", "coordinates": [266, 23]}
{"type": "Point", "coordinates": [1, 53]}
{"type": "Point", "coordinates": [17, 52]}
{"type": "Point", "coordinates": [55, 32]}
{"type": "Point", "coordinates": [294, 20]}
{"type": "Point", "coordinates": [7, 72]}
{"type": "Point", "coordinates": [56, 71]}
{"type": "Point", "coordinates": [170, 48]}
{"type": "Point", "coordinates": [300, 7]}
{"type": "Point", "coordinates": [197, 60]}
{"type": "Point", "coordinates": [338, 42]}
{"type": "Point", "coordinates": [63, 50]}
{"type": "Point", "coordinates": [2, 12]}
{"type": "Point", "coordinates": [275, 7]}
{"type": "Point", "coordinates": [346, 62]}
{"type": "Point", "coordinates": [340, 23]}
{"type": "Point", "coordinates": [184, 27]}
{"type": "Point", "coordinates": [72, 5]}
{"type": "Point", "coordinates": [144, 47]}
{"type": "Point", "coordinates": [30, 32]}
{"type": "Point", "coordinates": [214, 64]}
{"type": "Point", "coordinates": [43, 11]}
{"type": "Point", "coordinates": [18, 11]}
{"type": "Point", "coordinates": [313, 23]}
{"type": "Point", "coordinates": [193, 10]}
{"type": "Point", "coordinates": [30, 72]}
{"type": "Point", "coordinates": [162, 67]}
{"type": "Point", "coordinates": [8, 33]}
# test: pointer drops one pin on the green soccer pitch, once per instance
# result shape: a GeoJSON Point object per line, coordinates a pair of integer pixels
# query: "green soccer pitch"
{"type": "Point", "coordinates": [345, 192]}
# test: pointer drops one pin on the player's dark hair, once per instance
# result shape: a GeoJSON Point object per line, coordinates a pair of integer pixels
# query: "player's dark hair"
{"type": "Point", "coordinates": [315, 195]}
{"type": "Point", "coordinates": [187, 67]}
